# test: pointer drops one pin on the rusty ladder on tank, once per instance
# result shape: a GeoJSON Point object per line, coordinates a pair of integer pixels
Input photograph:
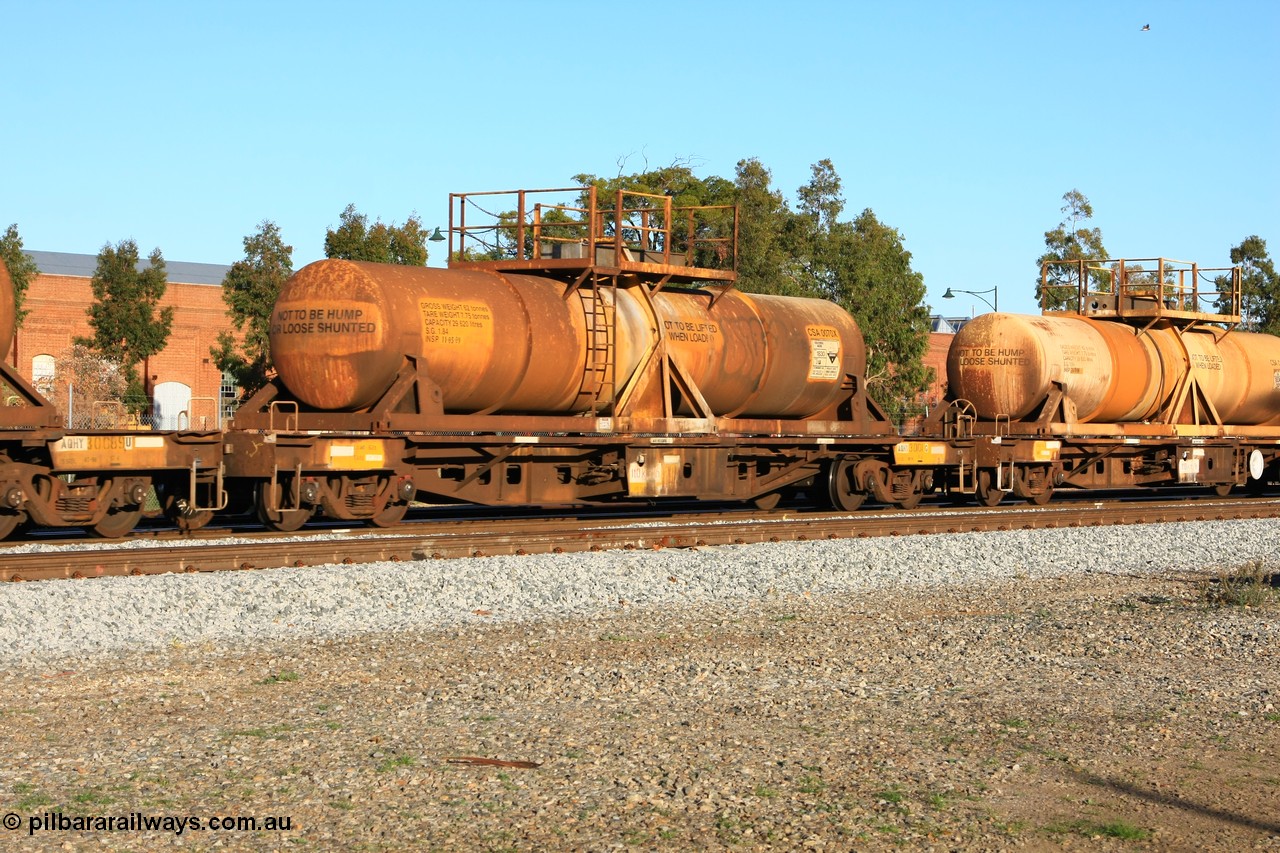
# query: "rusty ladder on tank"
{"type": "Point", "coordinates": [602, 344]}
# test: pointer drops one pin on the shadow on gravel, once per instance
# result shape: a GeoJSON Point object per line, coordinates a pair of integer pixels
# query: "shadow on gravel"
{"type": "Point", "coordinates": [1172, 801]}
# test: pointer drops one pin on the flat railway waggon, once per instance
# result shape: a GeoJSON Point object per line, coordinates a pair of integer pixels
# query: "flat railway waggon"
{"type": "Point", "coordinates": [584, 369]}
{"type": "Point", "coordinates": [604, 355]}
{"type": "Point", "coordinates": [95, 479]}
{"type": "Point", "coordinates": [1145, 382]}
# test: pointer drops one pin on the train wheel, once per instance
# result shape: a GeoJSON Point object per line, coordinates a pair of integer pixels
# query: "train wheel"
{"type": "Point", "coordinates": [118, 521]}
{"type": "Point", "coordinates": [908, 490]}
{"type": "Point", "coordinates": [1042, 497]}
{"type": "Point", "coordinates": [1033, 484]}
{"type": "Point", "coordinates": [121, 517]}
{"type": "Point", "coordinates": [10, 520]}
{"type": "Point", "coordinates": [269, 495]}
{"type": "Point", "coordinates": [389, 517]}
{"type": "Point", "coordinates": [173, 500]}
{"type": "Point", "coordinates": [1223, 489]}
{"type": "Point", "coordinates": [986, 492]}
{"type": "Point", "coordinates": [842, 486]}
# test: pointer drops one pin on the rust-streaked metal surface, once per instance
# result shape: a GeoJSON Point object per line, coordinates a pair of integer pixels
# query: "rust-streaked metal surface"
{"type": "Point", "coordinates": [1006, 364]}
{"type": "Point", "coordinates": [8, 316]}
{"type": "Point", "coordinates": [531, 537]}
{"type": "Point", "coordinates": [25, 407]}
{"type": "Point", "coordinates": [519, 344]}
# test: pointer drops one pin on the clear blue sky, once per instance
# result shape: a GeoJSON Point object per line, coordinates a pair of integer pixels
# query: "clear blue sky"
{"type": "Point", "coordinates": [184, 125]}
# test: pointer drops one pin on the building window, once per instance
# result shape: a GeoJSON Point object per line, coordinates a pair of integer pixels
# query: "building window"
{"type": "Point", "coordinates": [43, 369]}
{"type": "Point", "coordinates": [229, 395]}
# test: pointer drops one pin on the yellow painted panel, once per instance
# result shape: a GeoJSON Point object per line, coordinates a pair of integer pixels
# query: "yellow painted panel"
{"type": "Point", "coordinates": [361, 454]}
{"type": "Point", "coordinates": [103, 452]}
{"type": "Point", "coordinates": [919, 453]}
{"type": "Point", "coordinates": [1046, 451]}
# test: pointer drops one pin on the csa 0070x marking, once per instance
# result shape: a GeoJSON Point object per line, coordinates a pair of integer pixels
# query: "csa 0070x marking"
{"type": "Point", "coordinates": [824, 352]}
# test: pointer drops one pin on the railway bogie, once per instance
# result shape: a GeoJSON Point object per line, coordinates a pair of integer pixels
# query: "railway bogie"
{"type": "Point", "coordinates": [103, 481]}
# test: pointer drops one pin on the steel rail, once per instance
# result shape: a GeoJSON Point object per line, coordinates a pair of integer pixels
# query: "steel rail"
{"type": "Point", "coordinates": [532, 536]}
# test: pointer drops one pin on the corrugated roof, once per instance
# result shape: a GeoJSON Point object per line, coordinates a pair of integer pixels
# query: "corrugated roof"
{"type": "Point", "coordinates": [947, 325]}
{"type": "Point", "coordinates": [183, 272]}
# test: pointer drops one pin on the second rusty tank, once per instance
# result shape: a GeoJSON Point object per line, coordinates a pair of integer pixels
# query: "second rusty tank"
{"type": "Point", "coordinates": [1006, 364]}
{"type": "Point", "coordinates": [507, 343]}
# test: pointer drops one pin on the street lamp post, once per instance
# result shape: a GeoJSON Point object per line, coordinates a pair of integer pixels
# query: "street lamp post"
{"type": "Point", "coordinates": [994, 301]}
{"type": "Point", "coordinates": [437, 237]}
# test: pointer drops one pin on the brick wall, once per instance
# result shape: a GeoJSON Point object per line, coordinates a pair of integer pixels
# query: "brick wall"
{"type": "Point", "coordinates": [57, 305]}
{"type": "Point", "coordinates": [936, 357]}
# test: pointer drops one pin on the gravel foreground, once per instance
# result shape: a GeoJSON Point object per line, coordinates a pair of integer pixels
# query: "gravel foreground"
{"type": "Point", "coordinates": [42, 622]}
{"type": "Point", "coordinates": [1046, 690]}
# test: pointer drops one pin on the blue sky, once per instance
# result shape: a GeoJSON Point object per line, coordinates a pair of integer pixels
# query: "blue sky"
{"type": "Point", "coordinates": [183, 126]}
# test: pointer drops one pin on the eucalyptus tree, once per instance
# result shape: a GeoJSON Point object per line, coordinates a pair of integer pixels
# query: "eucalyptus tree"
{"type": "Point", "coordinates": [356, 240]}
{"type": "Point", "coordinates": [1072, 240]}
{"type": "Point", "coordinates": [127, 321]}
{"type": "Point", "coordinates": [22, 269]}
{"type": "Point", "coordinates": [1259, 285]}
{"type": "Point", "coordinates": [250, 289]}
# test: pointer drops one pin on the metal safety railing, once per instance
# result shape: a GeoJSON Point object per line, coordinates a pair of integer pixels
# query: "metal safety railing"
{"type": "Point", "coordinates": [1131, 288]}
{"type": "Point", "coordinates": [573, 224]}
{"type": "Point", "coordinates": [202, 414]}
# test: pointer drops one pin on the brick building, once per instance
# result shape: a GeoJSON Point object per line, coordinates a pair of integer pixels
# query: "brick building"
{"type": "Point", "coordinates": [942, 330]}
{"type": "Point", "coordinates": [181, 378]}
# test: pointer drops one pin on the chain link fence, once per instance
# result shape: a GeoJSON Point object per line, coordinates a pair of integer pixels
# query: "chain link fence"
{"type": "Point", "coordinates": [201, 414]}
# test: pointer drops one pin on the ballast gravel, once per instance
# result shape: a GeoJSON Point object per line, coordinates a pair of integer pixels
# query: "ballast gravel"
{"type": "Point", "coordinates": [40, 622]}
{"type": "Point", "coordinates": [1068, 689]}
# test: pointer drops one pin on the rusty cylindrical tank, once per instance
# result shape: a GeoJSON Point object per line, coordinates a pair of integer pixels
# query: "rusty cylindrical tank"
{"type": "Point", "coordinates": [1006, 363]}
{"type": "Point", "coordinates": [523, 344]}
{"type": "Point", "coordinates": [8, 311]}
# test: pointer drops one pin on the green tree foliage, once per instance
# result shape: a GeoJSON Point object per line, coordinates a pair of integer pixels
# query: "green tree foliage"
{"type": "Point", "coordinates": [1259, 285]}
{"type": "Point", "coordinates": [815, 236]}
{"type": "Point", "coordinates": [556, 225]}
{"type": "Point", "coordinates": [764, 222]}
{"type": "Point", "coordinates": [821, 200]}
{"type": "Point", "coordinates": [678, 182]}
{"type": "Point", "coordinates": [21, 268]}
{"type": "Point", "coordinates": [355, 240]}
{"type": "Point", "coordinates": [879, 288]}
{"type": "Point", "coordinates": [863, 266]}
{"type": "Point", "coordinates": [128, 324]}
{"type": "Point", "coordinates": [1070, 241]}
{"type": "Point", "coordinates": [250, 289]}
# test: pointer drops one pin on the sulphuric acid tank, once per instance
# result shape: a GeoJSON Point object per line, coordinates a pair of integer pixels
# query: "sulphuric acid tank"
{"type": "Point", "coordinates": [1005, 364]}
{"type": "Point", "coordinates": [498, 343]}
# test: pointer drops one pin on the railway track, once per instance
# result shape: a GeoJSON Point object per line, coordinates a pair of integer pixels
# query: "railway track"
{"type": "Point", "coordinates": [478, 537]}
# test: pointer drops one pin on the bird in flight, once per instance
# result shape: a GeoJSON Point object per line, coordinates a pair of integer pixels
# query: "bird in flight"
{"type": "Point", "coordinates": [1146, 28]}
